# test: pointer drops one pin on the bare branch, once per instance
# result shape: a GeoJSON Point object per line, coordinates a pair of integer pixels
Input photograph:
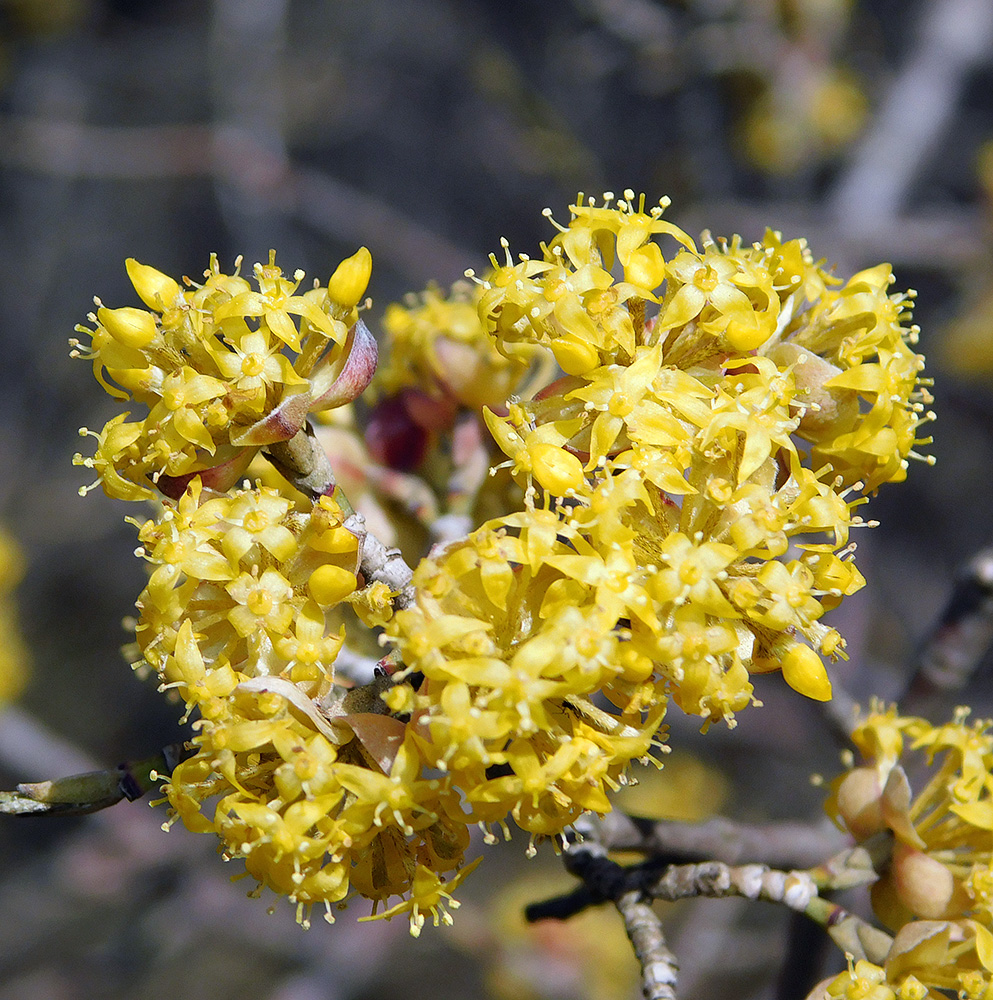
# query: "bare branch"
{"type": "Point", "coordinates": [716, 880]}
{"type": "Point", "coordinates": [954, 36]}
{"type": "Point", "coordinates": [793, 845]}
{"type": "Point", "coordinates": [961, 638]}
{"type": "Point", "coordinates": [644, 930]}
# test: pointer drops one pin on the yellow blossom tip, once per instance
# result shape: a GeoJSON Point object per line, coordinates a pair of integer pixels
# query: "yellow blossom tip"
{"type": "Point", "coordinates": [128, 326]}
{"type": "Point", "coordinates": [804, 672]}
{"type": "Point", "coordinates": [330, 584]}
{"type": "Point", "coordinates": [156, 290]}
{"type": "Point", "coordinates": [350, 279]}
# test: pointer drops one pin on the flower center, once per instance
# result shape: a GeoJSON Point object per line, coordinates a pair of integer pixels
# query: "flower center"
{"type": "Point", "coordinates": [256, 521]}
{"type": "Point", "coordinates": [252, 365]}
{"type": "Point", "coordinates": [259, 603]}
{"type": "Point", "coordinates": [620, 404]}
{"type": "Point", "coordinates": [705, 279]}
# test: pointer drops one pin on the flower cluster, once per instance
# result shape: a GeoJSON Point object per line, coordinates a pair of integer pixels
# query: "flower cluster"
{"type": "Point", "coordinates": [441, 368]}
{"type": "Point", "coordinates": [510, 657]}
{"type": "Point", "coordinates": [313, 784]}
{"type": "Point", "coordinates": [435, 345]}
{"type": "Point", "coordinates": [674, 442]}
{"type": "Point", "coordinates": [13, 654]}
{"type": "Point", "coordinates": [209, 365]}
{"type": "Point", "coordinates": [689, 487]}
{"type": "Point", "coordinates": [936, 886]}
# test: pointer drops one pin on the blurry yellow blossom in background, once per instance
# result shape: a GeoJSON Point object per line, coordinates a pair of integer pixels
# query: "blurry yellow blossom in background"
{"type": "Point", "coordinates": [13, 652]}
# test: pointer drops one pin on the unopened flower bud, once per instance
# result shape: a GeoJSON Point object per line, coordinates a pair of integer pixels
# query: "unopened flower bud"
{"type": "Point", "coordinates": [923, 884]}
{"type": "Point", "coordinates": [156, 290]}
{"type": "Point", "coordinates": [350, 279]}
{"type": "Point", "coordinates": [829, 411]}
{"type": "Point", "coordinates": [128, 326]}
{"type": "Point", "coordinates": [804, 672]}
{"type": "Point", "coordinates": [858, 802]}
{"type": "Point", "coordinates": [329, 584]}
{"type": "Point", "coordinates": [556, 469]}
{"type": "Point", "coordinates": [574, 356]}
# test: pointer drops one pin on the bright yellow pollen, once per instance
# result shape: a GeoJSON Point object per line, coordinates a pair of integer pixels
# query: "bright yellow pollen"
{"type": "Point", "coordinates": [705, 279]}
{"type": "Point", "coordinates": [252, 365]}
{"type": "Point", "coordinates": [259, 602]}
{"type": "Point", "coordinates": [256, 520]}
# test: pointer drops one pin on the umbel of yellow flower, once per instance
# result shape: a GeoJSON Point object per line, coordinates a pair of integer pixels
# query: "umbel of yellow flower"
{"type": "Point", "coordinates": [317, 788]}
{"type": "Point", "coordinates": [690, 485]}
{"type": "Point", "coordinates": [209, 364]}
{"type": "Point", "coordinates": [512, 651]}
{"type": "Point", "coordinates": [719, 406]}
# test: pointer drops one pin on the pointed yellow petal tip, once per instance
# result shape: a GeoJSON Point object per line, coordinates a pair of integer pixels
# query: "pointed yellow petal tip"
{"type": "Point", "coordinates": [804, 672]}
{"type": "Point", "coordinates": [350, 279]}
{"type": "Point", "coordinates": [128, 326]}
{"type": "Point", "coordinates": [156, 290]}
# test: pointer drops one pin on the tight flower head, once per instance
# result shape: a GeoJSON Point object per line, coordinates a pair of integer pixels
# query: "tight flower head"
{"type": "Point", "coordinates": [316, 786]}
{"type": "Point", "coordinates": [743, 399]}
{"type": "Point", "coordinates": [209, 364]}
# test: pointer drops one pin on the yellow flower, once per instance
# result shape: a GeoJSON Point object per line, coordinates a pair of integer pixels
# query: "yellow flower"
{"type": "Point", "coordinates": [703, 408]}
{"type": "Point", "coordinates": [512, 643]}
{"type": "Point", "coordinates": [313, 786]}
{"type": "Point", "coordinates": [429, 893]}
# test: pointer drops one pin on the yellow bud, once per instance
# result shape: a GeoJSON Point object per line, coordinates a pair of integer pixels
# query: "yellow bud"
{"type": "Point", "coordinates": [746, 336]}
{"type": "Point", "coordinates": [329, 584]}
{"type": "Point", "coordinates": [556, 469]}
{"type": "Point", "coordinates": [337, 540]}
{"type": "Point", "coordinates": [350, 279]}
{"type": "Point", "coordinates": [155, 289]}
{"type": "Point", "coordinates": [804, 672]}
{"type": "Point", "coordinates": [128, 326]}
{"type": "Point", "coordinates": [574, 356]}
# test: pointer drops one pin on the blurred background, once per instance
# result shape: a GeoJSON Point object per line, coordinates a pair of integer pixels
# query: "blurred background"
{"type": "Point", "coordinates": [426, 130]}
